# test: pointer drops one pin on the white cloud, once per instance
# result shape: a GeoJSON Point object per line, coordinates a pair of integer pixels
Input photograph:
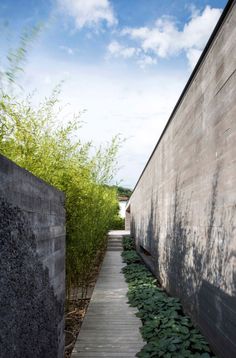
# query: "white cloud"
{"type": "Point", "coordinates": [146, 60]}
{"type": "Point", "coordinates": [165, 39]}
{"type": "Point", "coordinates": [88, 13]}
{"type": "Point", "coordinates": [193, 55]}
{"type": "Point", "coordinates": [68, 50]}
{"type": "Point", "coordinates": [47, 80]}
{"type": "Point", "coordinates": [198, 30]}
{"type": "Point", "coordinates": [135, 104]}
{"type": "Point", "coordinates": [117, 50]}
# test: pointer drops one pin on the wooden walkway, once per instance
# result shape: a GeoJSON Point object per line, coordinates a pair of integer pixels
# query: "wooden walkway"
{"type": "Point", "coordinates": [110, 328]}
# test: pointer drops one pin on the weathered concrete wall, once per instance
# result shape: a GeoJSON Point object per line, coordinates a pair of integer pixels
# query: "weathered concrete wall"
{"type": "Point", "coordinates": [32, 257]}
{"type": "Point", "coordinates": [127, 221]}
{"type": "Point", "coordinates": [183, 208]}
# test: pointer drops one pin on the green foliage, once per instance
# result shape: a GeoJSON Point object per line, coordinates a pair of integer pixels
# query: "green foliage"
{"type": "Point", "coordinates": [130, 257]}
{"type": "Point", "coordinates": [37, 139]}
{"type": "Point", "coordinates": [16, 57]}
{"type": "Point", "coordinates": [171, 346]}
{"type": "Point", "coordinates": [34, 138]}
{"type": "Point", "coordinates": [124, 191]}
{"type": "Point", "coordinates": [167, 331]}
{"type": "Point", "coordinates": [121, 191]}
{"type": "Point", "coordinates": [128, 243]}
{"type": "Point", "coordinates": [118, 223]}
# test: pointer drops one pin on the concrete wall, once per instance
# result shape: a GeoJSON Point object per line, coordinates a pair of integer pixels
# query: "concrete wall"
{"type": "Point", "coordinates": [183, 208]}
{"type": "Point", "coordinates": [127, 216]}
{"type": "Point", "coordinates": [32, 256]}
{"type": "Point", "coordinates": [127, 221]}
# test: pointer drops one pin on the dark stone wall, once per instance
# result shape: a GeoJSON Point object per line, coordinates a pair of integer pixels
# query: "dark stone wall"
{"type": "Point", "coordinates": [183, 209]}
{"type": "Point", "coordinates": [32, 254]}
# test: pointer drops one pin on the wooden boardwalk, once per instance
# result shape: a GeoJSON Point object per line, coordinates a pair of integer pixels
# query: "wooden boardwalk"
{"type": "Point", "coordinates": [110, 328]}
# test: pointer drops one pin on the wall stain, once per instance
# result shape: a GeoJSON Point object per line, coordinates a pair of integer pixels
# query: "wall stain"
{"type": "Point", "coordinates": [29, 310]}
{"type": "Point", "coordinates": [197, 263]}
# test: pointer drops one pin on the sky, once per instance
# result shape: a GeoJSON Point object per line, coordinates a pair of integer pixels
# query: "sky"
{"type": "Point", "coordinates": [124, 63]}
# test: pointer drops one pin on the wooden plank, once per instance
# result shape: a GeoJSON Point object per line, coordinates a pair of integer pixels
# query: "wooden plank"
{"type": "Point", "coordinates": [110, 328]}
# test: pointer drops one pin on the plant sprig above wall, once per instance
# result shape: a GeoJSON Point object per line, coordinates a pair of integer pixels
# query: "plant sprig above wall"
{"type": "Point", "coordinates": [167, 331]}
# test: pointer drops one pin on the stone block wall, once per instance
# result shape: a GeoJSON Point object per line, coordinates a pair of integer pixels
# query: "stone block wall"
{"type": "Point", "coordinates": [32, 257]}
{"type": "Point", "coordinates": [183, 208]}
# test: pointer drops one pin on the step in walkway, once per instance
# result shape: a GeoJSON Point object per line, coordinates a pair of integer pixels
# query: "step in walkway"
{"type": "Point", "coordinates": [110, 328]}
{"type": "Point", "coordinates": [114, 243]}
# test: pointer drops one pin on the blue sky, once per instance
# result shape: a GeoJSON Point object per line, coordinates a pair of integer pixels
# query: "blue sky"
{"type": "Point", "coordinates": [124, 61]}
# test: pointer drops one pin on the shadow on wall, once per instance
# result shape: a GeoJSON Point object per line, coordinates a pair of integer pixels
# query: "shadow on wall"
{"type": "Point", "coordinates": [177, 246]}
{"type": "Point", "coordinates": [217, 318]}
{"type": "Point", "coordinates": [190, 258]}
{"type": "Point", "coordinates": [200, 268]}
{"type": "Point", "coordinates": [29, 310]}
{"type": "Point", "coordinates": [152, 236]}
{"type": "Point", "coordinates": [198, 263]}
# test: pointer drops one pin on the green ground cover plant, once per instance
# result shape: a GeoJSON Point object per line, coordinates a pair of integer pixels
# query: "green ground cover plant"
{"type": "Point", "coordinates": [128, 244]}
{"type": "Point", "coordinates": [130, 257]}
{"type": "Point", "coordinates": [167, 331]}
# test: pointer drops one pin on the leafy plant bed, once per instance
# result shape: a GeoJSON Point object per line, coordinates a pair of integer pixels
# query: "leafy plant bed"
{"type": "Point", "coordinates": [131, 257]}
{"type": "Point", "coordinates": [128, 244]}
{"type": "Point", "coordinates": [168, 332]}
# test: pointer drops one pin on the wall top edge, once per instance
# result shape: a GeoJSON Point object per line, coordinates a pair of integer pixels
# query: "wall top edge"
{"type": "Point", "coordinates": [6, 161]}
{"type": "Point", "coordinates": [224, 15]}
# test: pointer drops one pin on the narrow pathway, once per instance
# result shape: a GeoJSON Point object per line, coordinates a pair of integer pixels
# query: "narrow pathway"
{"type": "Point", "coordinates": [110, 328]}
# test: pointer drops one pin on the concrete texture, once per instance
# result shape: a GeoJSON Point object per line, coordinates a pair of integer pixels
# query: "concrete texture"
{"type": "Point", "coordinates": [127, 221]}
{"type": "Point", "coordinates": [32, 280]}
{"type": "Point", "coordinates": [110, 328]}
{"type": "Point", "coordinates": [183, 209]}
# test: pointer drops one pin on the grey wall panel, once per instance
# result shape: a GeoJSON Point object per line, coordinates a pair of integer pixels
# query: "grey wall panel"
{"type": "Point", "coordinates": [183, 209]}
{"type": "Point", "coordinates": [32, 256]}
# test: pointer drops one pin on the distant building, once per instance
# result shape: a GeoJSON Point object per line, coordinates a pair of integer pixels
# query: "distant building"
{"type": "Point", "coordinates": [123, 200]}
